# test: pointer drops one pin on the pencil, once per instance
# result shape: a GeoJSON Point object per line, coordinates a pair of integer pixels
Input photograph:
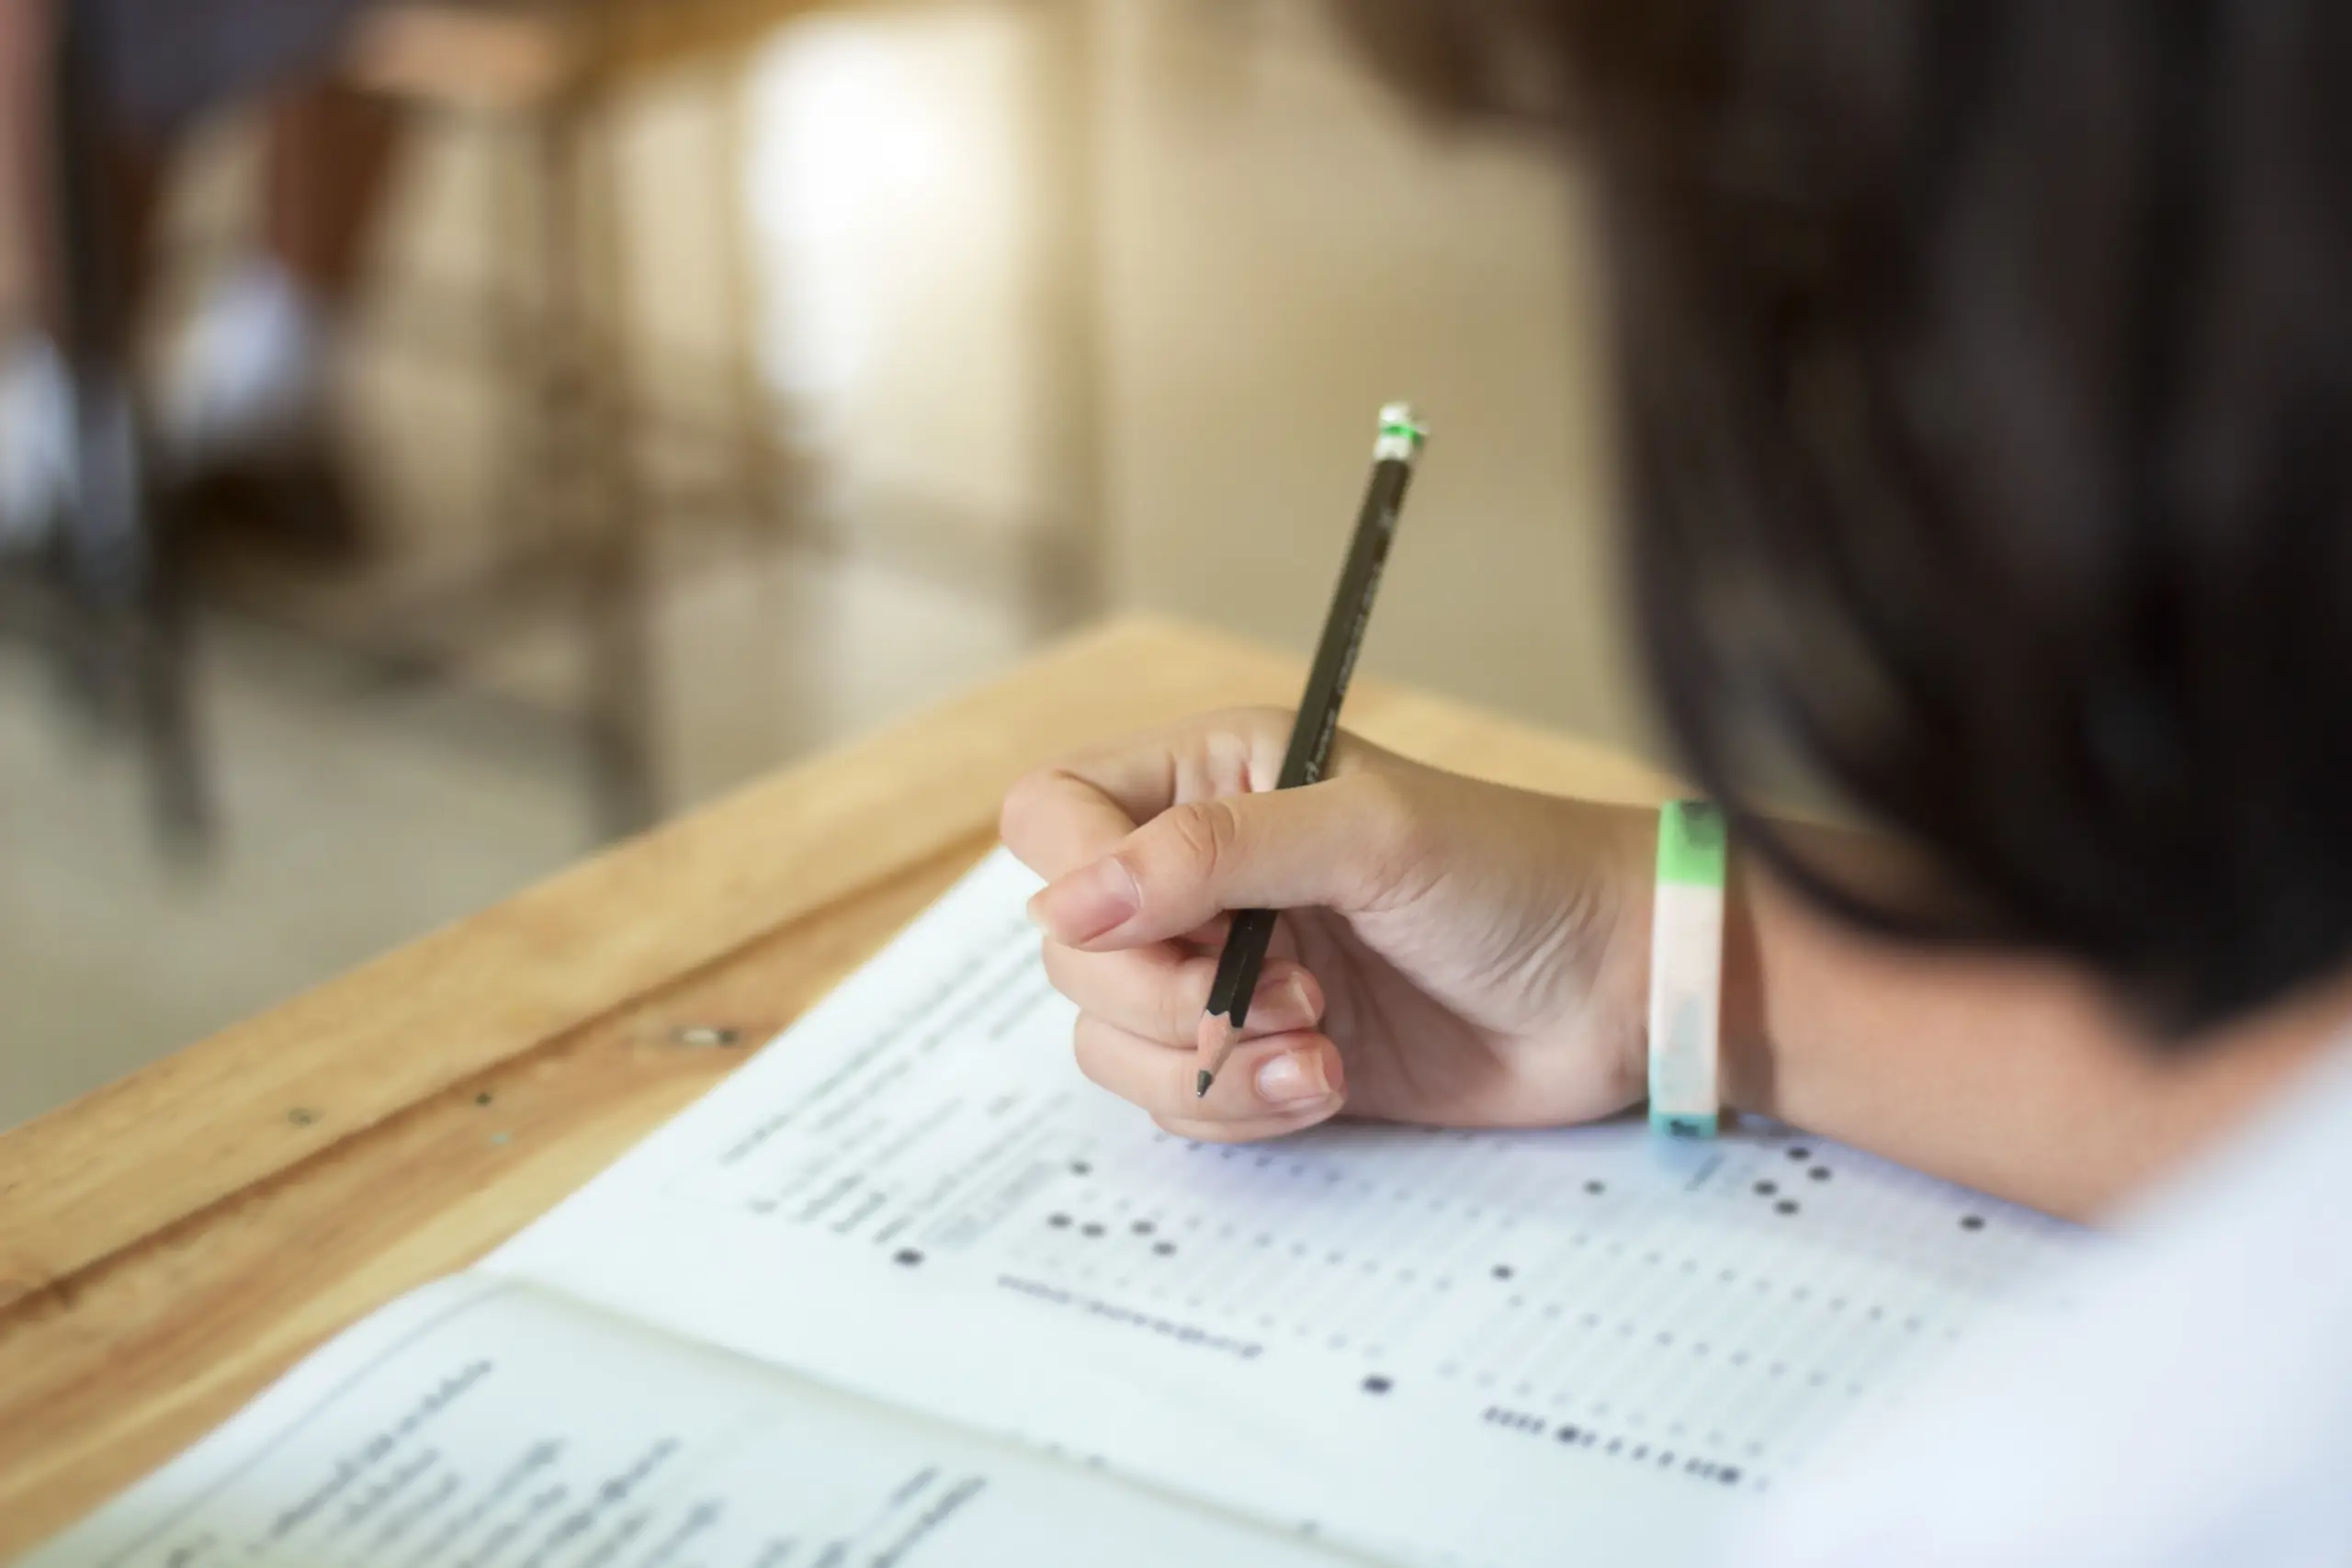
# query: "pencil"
{"type": "Point", "coordinates": [1393, 458]}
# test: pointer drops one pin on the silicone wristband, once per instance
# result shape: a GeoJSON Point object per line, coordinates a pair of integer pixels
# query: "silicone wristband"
{"type": "Point", "coordinates": [1686, 970]}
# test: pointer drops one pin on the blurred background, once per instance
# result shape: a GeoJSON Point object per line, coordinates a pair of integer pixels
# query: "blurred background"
{"type": "Point", "coordinates": [436, 439]}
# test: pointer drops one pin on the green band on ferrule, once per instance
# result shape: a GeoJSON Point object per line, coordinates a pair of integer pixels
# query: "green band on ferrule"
{"type": "Point", "coordinates": [1402, 435]}
{"type": "Point", "coordinates": [1691, 840]}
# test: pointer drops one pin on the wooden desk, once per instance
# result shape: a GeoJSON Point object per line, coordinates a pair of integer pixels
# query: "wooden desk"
{"type": "Point", "coordinates": [171, 1243]}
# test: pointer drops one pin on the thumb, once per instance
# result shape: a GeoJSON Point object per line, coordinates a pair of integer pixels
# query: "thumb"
{"type": "Point", "coordinates": [1345, 844]}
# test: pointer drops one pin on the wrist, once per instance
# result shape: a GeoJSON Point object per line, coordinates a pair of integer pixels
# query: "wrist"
{"type": "Point", "coordinates": [1748, 1077]}
{"type": "Point", "coordinates": [1626, 969]}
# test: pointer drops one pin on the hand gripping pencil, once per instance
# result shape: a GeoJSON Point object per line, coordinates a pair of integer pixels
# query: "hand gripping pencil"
{"type": "Point", "coordinates": [1399, 447]}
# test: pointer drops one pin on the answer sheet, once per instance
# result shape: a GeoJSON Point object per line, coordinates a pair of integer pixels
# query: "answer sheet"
{"type": "Point", "coordinates": [475, 1423]}
{"type": "Point", "coordinates": [1440, 1347]}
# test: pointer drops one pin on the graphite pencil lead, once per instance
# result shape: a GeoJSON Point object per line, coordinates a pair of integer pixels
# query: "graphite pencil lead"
{"type": "Point", "coordinates": [1201, 1087]}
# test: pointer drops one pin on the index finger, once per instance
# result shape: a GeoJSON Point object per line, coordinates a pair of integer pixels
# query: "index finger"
{"type": "Point", "coordinates": [1062, 818]}
{"type": "Point", "coordinates": [1057, 820]}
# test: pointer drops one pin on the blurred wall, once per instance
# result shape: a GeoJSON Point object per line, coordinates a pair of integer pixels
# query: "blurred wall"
{"type": "Point", "coordinates": [879, 217]}
{"type": "Point", "coordinates": [893, 189]}
{"type": "Point", "coordinates": [1285, 248]}
{"type": "Point", "coordinates": [1274, 247]}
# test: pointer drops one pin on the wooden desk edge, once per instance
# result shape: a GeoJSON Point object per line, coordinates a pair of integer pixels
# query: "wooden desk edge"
{"type": "Point", "coordinates": [79, 1184]}
{"type": "Point", "coordinates": [174, 1242]}
{"type": "Point", "coordinates": [279, 1087]}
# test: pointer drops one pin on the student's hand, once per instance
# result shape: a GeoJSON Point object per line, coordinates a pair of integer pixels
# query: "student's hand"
{"type": "Point", "coordinates": [1455, 953]}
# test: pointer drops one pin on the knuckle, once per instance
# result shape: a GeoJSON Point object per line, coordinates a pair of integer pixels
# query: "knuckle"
{"type": "Point", "coordinates": [1186, 997]}
{"type": "Point", "coordinates": [1107, 1058]}
{"type": "Point", "coordinates": [1056, 959]}
{"type": "Point", "coordinates": [1192, 1129]}
{"type": "Point", "coordinates": [1203, 833]}
{"type": "Point", "coordinates": [1245, 746]}
{"type": "Point", "coordinates": [1144, 999]}
{"type": "Point", "coordinates": [1255, 721]}
{"type": "Point", "coordinates": [1023, 803]}
{"type": "Point", "coordinates": [1352, 754]}
{"type": "Point", "coordinates": [1397, 829]}
{"type": "Point", "coordinates": [1090, 1046]}
{"type": "Point", "coordinates": [1385, 801]}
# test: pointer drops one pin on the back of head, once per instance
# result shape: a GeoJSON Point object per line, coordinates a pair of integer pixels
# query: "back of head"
{"type": "Point", "coordinates": [1986, 382]}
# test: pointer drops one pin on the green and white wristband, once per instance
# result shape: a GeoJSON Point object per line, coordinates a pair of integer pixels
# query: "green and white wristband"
{"type": "Point", "coordinates": [1687, 969]}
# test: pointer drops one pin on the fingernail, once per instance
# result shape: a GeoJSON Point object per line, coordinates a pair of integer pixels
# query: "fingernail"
{"type": "Point", "coordinates": [1088, 903]}
{"type": "Point", "coordinates": [1295, 1079]}
{"type": "Point", "coordinates": [1281, 1006]}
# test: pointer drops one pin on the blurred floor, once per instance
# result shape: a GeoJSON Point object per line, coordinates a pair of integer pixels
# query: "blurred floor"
{"type": "Point", "coordinates": [351, 825]}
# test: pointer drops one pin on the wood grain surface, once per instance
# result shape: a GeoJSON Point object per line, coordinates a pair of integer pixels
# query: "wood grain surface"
{"type": "Point", "coordinates": [172, 1243]}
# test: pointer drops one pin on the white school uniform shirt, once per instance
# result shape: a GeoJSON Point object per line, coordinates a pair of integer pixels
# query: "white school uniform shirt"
{"type": "Point", "coordinates": [2194, 1408]}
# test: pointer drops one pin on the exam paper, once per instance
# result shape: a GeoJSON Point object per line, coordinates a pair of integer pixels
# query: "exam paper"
{"type": "Point", "coordinates": [476, 1423]}
{"type": "Point", "coordinates": [1440, 1347]}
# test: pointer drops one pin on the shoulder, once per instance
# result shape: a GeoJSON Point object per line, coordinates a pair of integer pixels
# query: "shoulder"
{"type": "Point", "coordinates": [2188, 1400]}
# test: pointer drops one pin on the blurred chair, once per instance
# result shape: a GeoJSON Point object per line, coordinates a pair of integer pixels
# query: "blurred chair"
{"type": "Point", "coordinates": [550, 66]}
{"type": "Point", "coordinates": [127, 638]}
{"type": "Point", "coordinates": [125, 642]}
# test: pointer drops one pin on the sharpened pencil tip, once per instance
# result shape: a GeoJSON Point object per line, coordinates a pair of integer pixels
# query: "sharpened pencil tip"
{"type": "Point", "coordinates": [1217, 1037]}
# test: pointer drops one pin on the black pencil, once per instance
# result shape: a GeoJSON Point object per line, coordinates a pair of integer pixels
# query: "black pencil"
{"type": "Point", "coordinates": [1399, 447]}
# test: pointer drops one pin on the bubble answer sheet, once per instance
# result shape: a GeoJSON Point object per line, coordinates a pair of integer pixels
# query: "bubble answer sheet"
{"type": "Point", "coordinates": [908, 1290]}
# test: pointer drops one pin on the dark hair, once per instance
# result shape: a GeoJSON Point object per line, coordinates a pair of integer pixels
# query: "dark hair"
{"type": "Point", "coordinates": [1987, 393]}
